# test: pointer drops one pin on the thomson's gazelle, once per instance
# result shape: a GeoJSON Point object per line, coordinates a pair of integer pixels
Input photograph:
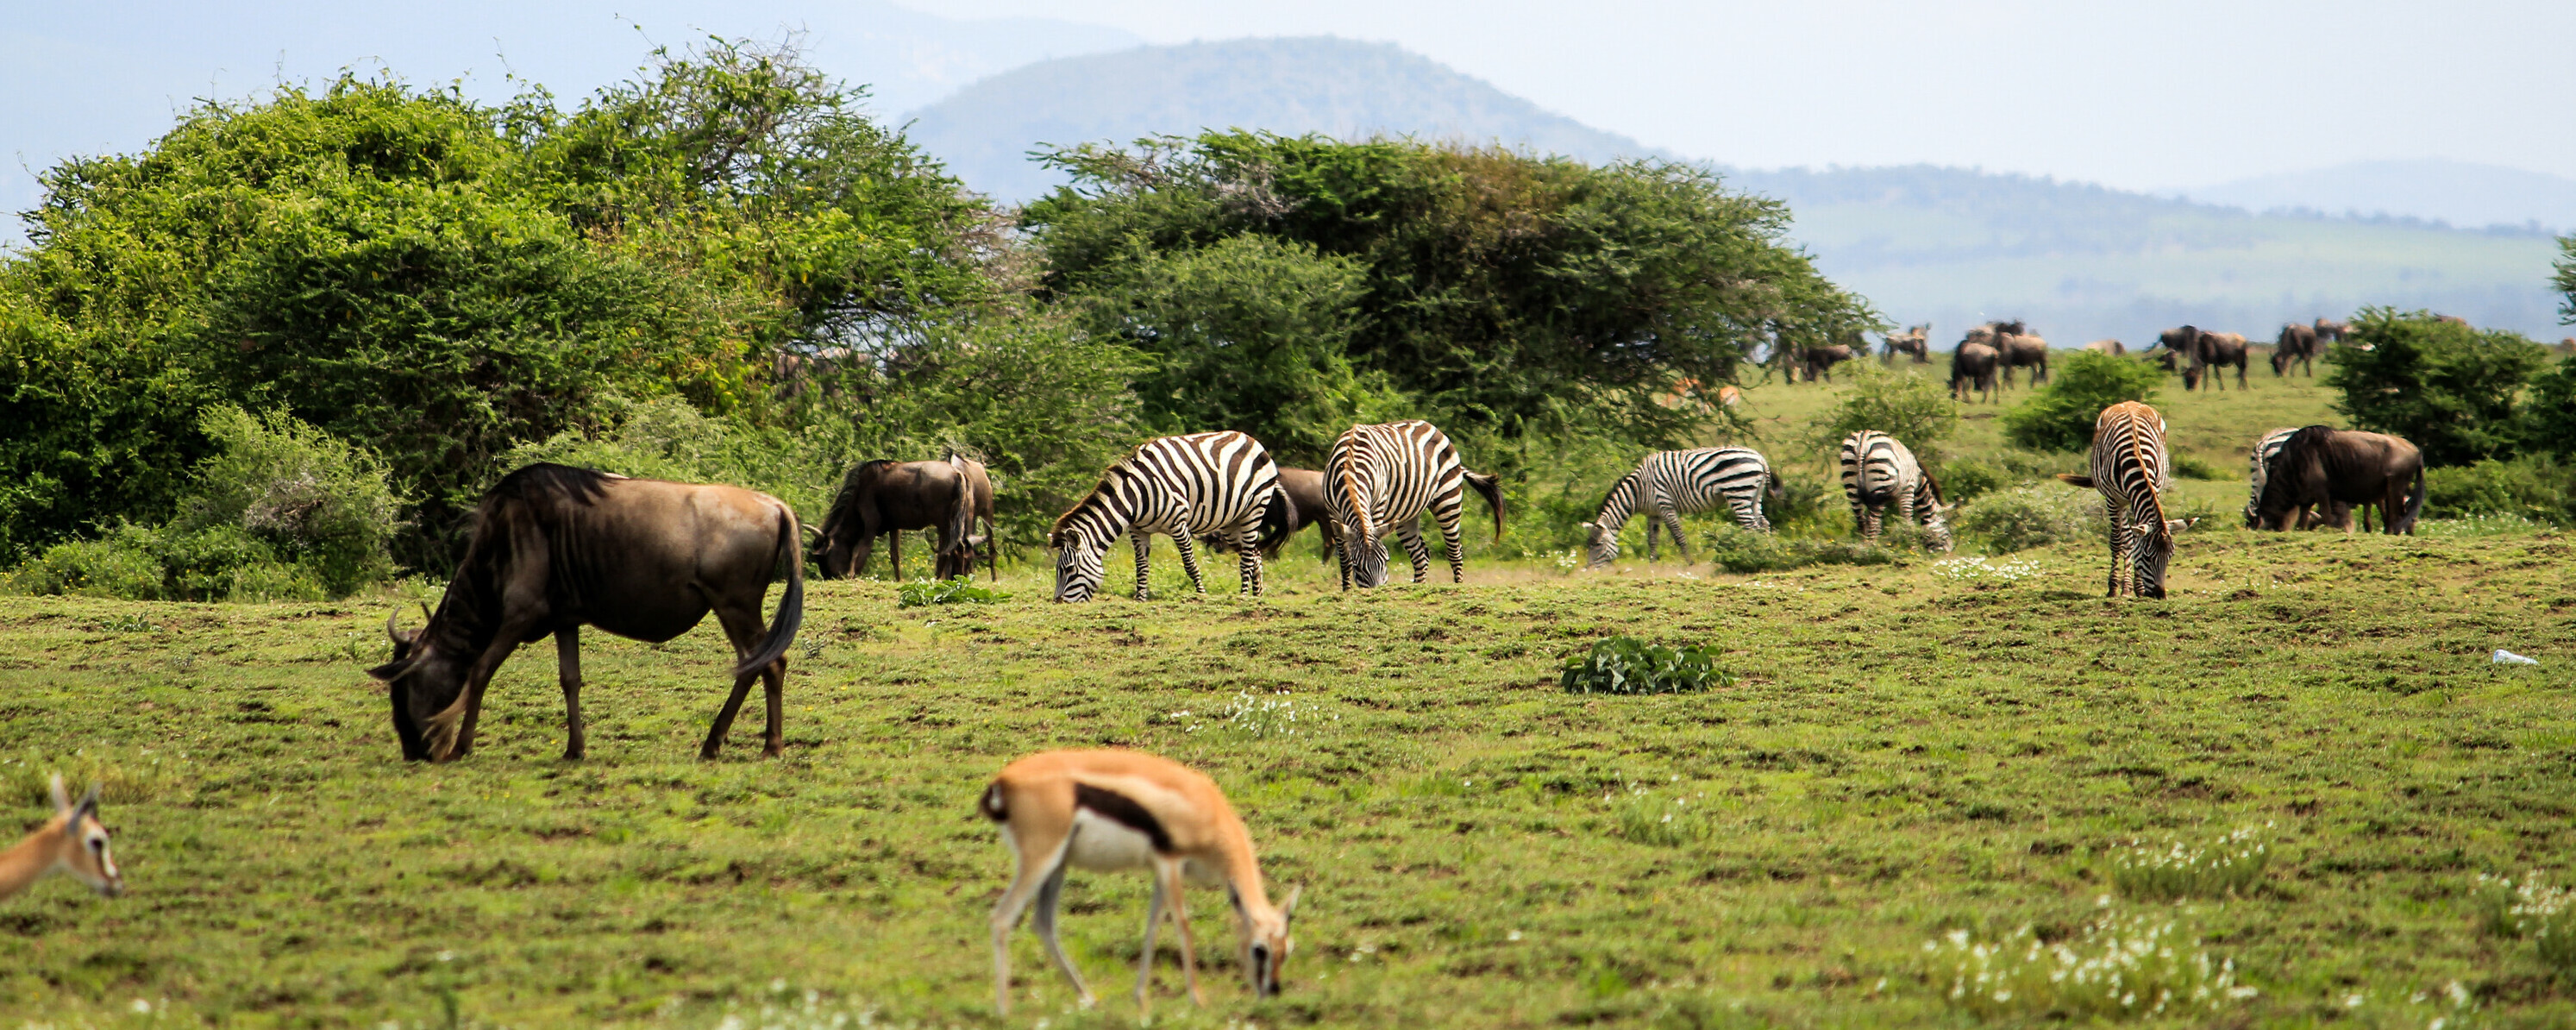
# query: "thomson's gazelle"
{"type": "Point", "coordinates": [1122, 810]}
{"type": "Point", "coordinates": [73, 841]}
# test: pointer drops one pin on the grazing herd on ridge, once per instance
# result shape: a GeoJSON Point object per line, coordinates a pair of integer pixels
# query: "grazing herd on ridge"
{"type": "Point", "coordinates": [556, 548]}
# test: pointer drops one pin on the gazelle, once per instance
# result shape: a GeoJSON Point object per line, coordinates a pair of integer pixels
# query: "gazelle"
{"type": "Point", "coordinates": [1111, 811]}
{"type": "Point", "coordinates": [73, 841]}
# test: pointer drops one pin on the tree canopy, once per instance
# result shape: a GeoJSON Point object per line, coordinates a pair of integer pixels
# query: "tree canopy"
{"type": "Point", "coordinates": [1500, 292]}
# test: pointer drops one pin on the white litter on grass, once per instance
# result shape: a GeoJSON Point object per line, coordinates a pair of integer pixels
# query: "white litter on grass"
{"type": "Point", "coordinates": [2504, 657]}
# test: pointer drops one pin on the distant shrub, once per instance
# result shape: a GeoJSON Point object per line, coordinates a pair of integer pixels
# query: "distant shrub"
{"type": "Point", "coordinates": [958, 590]}
{"type": "Point", "coordinates": [1626, 665]}
{"type": "Point", "coordinates": [1968, 478]}
{"type": "Point", "coordinates": [322, 504]}
{"type": "Point", "coordinates": [1740, 550]}
{"type": "Point", "coordinates": [2538, 489]}
{"type": "Point", "coordinates": [2192, 466]}
{"type": "Point", "coordinates": [2025, 517]}
{"type": "Point", "coordinates": [2116, 968]}
{"type": "Point", "coordinates": [2449, 388]}
{"type": "Point", "coordinates": [2228, 866]}
{"type": "Point", "coordinates": [2060, 416]}
{"type": "Point", "coordinates": [1912, 408]}
{"type": "Point", "coordinates": [141, 563]}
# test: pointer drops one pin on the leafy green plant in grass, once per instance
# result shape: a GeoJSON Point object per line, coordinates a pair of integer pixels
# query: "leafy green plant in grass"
{"type": "Point", "coordinates": [2229, 866]}
{"type": "Point", "coordinates": [2193, 466]}
{"type": "Point", "coordinates": [956, 590]}
{"type": "Point", "coordinates": [2116, 968]}
{"type": "Point", "coordinates": [1643, 817]}
{"type": "Point", "coordinates": [2533, 488]}
{"type": "Point", "coordinates": [2060, 416]}
{"type": "Point", "coordinates": [2533, 910]}
{"type": "Point", "coordinates": [1740, 550]}
{"type": "Point", "coordinates": [2025, 517]}
{"type": "Point", "coordinates": [1626, 665]}
{"type": "Point", "coordinates": [1965, 479]}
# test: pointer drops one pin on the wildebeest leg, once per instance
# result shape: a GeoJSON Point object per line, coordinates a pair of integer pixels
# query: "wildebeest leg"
{"type": "Point", "coordinates": [861, 550]}
{"type": "Point", "coordinates": [894, 553]}
{"type": "Point", "coordinates": [456, 724]}
{"type": "Point", "coordinates": [568, 672]}
{"type": "Point", "coordinates": [744, 630]}
{"type": "Point", "coordinates": [775, 675]}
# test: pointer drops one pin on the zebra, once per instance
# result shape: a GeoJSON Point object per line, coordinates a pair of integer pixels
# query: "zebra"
{"type": "Point", "coordinates": [1877, 472]}
{"type": "Point", "coordinates": [1181, 486]}
{"type": "Point", "coordinates": [2129, 468]}
{"type": "Point", "coordinates": [1679, 483]}
{"type": "Point", "coordinates": [1386, 476]}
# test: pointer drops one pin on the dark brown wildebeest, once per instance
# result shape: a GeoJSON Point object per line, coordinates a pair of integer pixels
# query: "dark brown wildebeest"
{"type": "Point", "coordinates": [2329, 329]}
{"type": "Point", "coordinates": [1298, 504]}
{"type": "Point", "coordinates": [1916, 341]}
{"type": "Point", "coordinates": [558, 548]}
{"type": "Point", "coordinates": [2297, 343]}
{"type": "Point", "coordinates": [2111, 347]}
{"type": "Point", "coordinates": [961, 562]}
{"type": "Point", "coordinates": [1972, 367]}
{"type": "Point", "coordinates": [2017, 349]}
{"type": "Point", "coordinates": [882, 497]}
{"type": "Point", "coordinates": [2321, 467]}
{"type": "Point", "coordinates": [1815, 361]}
{"type": "Point", "coordinates": [2205, 350]}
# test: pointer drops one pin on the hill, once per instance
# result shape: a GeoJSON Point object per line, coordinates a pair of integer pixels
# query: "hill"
{"type": "Point", "coordinates": [1949, 245]}
{"type": "Point", "coordinates": [1338, 87]}
{"type": "Point", "coordinates": [2456, 192]}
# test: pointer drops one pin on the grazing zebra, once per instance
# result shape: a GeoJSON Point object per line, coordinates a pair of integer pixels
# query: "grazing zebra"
{"type": "Point", "coordinates": [1877, 472]}
{"type": "Point", "coordinates": [1678, 483]}
{"type": "Point", "coordinates": [2129, 467]}
{"type": "Point", "coordinates": [1385, 477]}
{"type": "Point", "coordinates": [1217, 484]}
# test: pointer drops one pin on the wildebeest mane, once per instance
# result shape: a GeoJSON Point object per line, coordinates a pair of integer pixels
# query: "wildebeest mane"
{"type": "Point", "coordinates": [2303, 450]}
{"type": "Point", "coordinates": [547, 483]}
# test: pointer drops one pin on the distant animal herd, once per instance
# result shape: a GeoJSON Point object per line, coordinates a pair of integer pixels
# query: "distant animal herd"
{"type": "Point", "coordinates": [1984, 361]}
{"type": "Point", "coordinates": [556, 548]}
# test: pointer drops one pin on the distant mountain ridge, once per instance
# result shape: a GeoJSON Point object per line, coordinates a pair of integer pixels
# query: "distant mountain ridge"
{"type": "Point", "coordinates": [1343, 88]}
{"type": "Point", "coordinates": [1950, 245]}
{"type": "Point", "coordinates": [2468, 196]}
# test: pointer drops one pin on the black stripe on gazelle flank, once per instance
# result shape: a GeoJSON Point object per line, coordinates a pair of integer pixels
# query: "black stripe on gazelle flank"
{"type": "Point", "coordinates": [1123, 810]}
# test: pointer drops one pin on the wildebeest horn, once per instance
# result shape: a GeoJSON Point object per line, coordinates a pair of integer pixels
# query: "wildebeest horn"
{"type": "Point", "coordinates": [393, 624]}
{"type": "Point", "coordinates": [425, 613]}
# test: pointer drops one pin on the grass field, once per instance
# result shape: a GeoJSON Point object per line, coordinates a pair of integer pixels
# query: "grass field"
{"type": "Point", "coordinates": [1906, 753]}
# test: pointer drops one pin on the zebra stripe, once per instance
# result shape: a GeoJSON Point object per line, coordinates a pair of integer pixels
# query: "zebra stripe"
{"type": "Point", "coordinates": [2130, 468]}
{"type": "Point", "coordinates": [2264, 450]}
{"type": "Point", "coordinates": [1203, 484]}
{"type": "Point", "coordinates": [1879, 472]}
{"type": "Point", "coordinates": [1677, 483]}
{"type": "Point", "coordinates": [1385, 477]}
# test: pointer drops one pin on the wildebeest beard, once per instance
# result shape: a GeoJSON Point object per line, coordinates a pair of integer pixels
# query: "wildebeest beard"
{"type": "Point", "coordinates": [425, 681]}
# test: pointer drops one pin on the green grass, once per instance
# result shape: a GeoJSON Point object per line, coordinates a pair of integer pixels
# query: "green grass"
{"type": "Point", "coordinates": [1902, 756]}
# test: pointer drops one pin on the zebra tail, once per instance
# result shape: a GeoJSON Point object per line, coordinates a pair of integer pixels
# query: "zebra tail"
{"type": "Point", "coordinates": [2075, 480]}
{"type": "Point", "coordinates": [1492, 488]}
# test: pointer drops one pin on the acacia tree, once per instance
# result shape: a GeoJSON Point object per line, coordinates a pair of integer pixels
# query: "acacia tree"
{"type": "Point", "coordinates": [2451, 389]}
{"type": "Point", "coordinates": [1505, 293]}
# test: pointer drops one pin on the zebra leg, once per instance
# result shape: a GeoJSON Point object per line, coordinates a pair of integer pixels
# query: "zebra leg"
{"type": "Point", "coordinates": [1652, 527]}
{"type": "Point", "coordinates": [1452, 542]}
{"type": "Point", "coordinates": [1186, 542]}
{"type": "Point", "coordinates": [1144, 545]}
{"type": "Point", "coordinates": [1673, 525]}
{"type": "Point", "coordinates": [1248, 559]}
{"type": "Point", "coordinates": [2116, 511]}
{"type": "Point", "coordinates": [1416, 550]}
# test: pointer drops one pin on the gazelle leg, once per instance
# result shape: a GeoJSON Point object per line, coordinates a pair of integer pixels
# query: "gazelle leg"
{"type": "Point", "coordinates": [1043, 921]}
{"type": "Point", "coordinates": [1171, 873]}
{"type": "Point", "coordinates": [1145, 964]}
{"type": "Point", "coordinates": [1029, 874]}
{"type": "Point", "coordinates": [568, 672]}
{"type": "Point", "coordinates": [1144, 546]}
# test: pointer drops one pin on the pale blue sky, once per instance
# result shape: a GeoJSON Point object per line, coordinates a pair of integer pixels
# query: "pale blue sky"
{"type": "Point", "coordinates": [2134, 95]}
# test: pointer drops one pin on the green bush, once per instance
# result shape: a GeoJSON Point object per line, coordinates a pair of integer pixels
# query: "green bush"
{"type": "Point", "coordinates": [1964, 479]}
{"type": "Point", "coordinates": [217, 563]}
{"type": "Point", "coordinates": [2060, 416]}
{"type": "Point", "coordinates": [2537, 489]}
{"type": "Point", "coordinates": [1626, 665]}
{"type": "Point", "coordinates": [319, 503]}
{"type": "Point", "coordinates": [2025, 517]}
{"type": "Point", "coordinates": [2448, 388]}
{"type": "Point", "coordinates": [957, 590]}
{"type": "Point", "coordinates": [2192, 466]}
{"type": "Point", "coordinates": [2549, 407]}
{"type": "Point", "coordinates": [1905, 404]}
{"type": "Point", "coordinates": [1741, 550]}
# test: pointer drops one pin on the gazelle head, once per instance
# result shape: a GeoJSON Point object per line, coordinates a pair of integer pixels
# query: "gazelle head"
{"type": "Point", "coordinates": [1266, 942]}
{"type": "Point", "coordinates": [82, 847]}
{"type": "Point", "coordinates": [1077, 563]}
{"type": "Point", "coordinates": [1603, 543]}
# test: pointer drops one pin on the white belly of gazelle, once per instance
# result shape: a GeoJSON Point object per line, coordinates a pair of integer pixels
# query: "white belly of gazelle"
{"type": "Point", "coordinates": [1102, 844]}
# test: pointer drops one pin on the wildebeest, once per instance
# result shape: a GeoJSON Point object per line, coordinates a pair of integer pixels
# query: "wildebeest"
{"type": "Point", "coordinates": [2017, 349]}
{"type": "Point", "coordinates": [1915, 341]}
{"type": "Point", "coordinates": [2329, 329]}
{"type": "Point", "coordinates": [882, 497]}
{"type": "Point", "coordinates": [1300, 504]}
{"type": "Point", "coordinates": [1815, 361]}
{"type": "Point", "coordinates": [557, 548]}
{"type": "Point", "coordinates": [1972, 366]}
{"type": "Point", "coordinates": [2297, 343]}
{"type": "Point", "coordinates": [2259, 465]}
{"type": "Point", "coordinates": [2110, 347]}
{"type": "Point", "coordinates": [2200, 349]}
{"type": "Point", "coordinates": [2320, 466]}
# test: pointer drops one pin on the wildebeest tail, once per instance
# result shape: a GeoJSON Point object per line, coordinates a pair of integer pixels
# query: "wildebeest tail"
{"type": "Point", "coordinates": [791, 605]}
{"type": "Point", "coordinates": [1278, 521]}
{"type": "Point", "coordinates": [1492, 488]}
{"type": "Point", "coordinates": [961, 515]}
{"type": "Point", "coordinates": [2414, 503]}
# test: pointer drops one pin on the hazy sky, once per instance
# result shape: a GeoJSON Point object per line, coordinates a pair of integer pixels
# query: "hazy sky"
{"type": "Point", "coordinates": [2141, 95]}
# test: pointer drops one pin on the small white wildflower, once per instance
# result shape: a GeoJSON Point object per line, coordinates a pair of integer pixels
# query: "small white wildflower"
{"type": "Point", "coordinates": [1512, 936]}
{"type": "Point", "coordinates": [2352, 1001]}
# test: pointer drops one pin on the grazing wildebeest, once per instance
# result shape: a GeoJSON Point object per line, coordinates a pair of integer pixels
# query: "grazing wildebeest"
{"type": "Point", "coordinates": [2017, 349]}
{"type": "Point", "coordinates": [1299, 504]}
{"type": "Point", "coordinates": [887, 497]}
{"type": "Point", "coordinates": [961, 561]}
{"type": "Point", "coordinates": [2298, 343]}
{"type": "Point", "coordinates": [2259, 465]}
{"type": "Point", "coordinates": [1915, 341]}
{"type": "Point", "coordinates": [2110, 347]}
{"type": "Point", "coordinates": [2319, 466]}
{"type": "Point", "coordinates": [1815, 361]}
{"type": "Point", "coordinates": [558, 548]}
{"type": "Point", "coordinates": [2204, 350]}
{"type": "Point", "coordinates": [1972, 366]}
